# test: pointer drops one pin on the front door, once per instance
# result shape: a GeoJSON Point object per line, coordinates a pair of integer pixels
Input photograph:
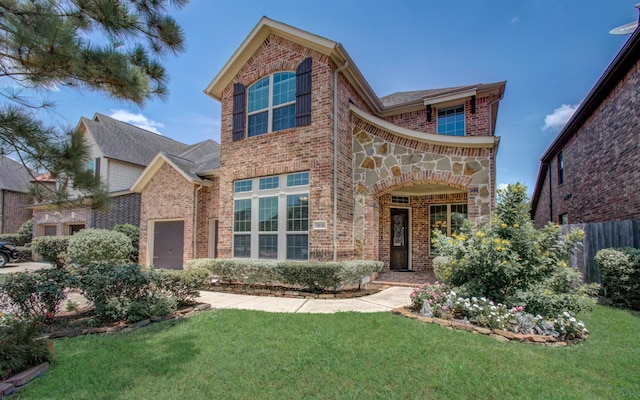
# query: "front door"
{"type": "Point", "coordinates": [399, 239]}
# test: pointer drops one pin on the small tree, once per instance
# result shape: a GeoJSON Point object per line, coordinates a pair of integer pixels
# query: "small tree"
{"type": "Point", "coordinates": [513, 263]}
{"type": "Point", "coordinates": [95, 246]}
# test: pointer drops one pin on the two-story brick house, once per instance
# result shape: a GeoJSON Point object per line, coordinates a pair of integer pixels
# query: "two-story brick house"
{"type": "Point", "coordinates": [590, 172]}
{"type": "Point", "coordinates": [315, 166]}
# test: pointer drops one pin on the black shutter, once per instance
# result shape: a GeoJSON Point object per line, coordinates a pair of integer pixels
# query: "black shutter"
{"type": "Point", "coordinates": [238, 111]}
{"type": "Point", "coordinates": [473, 104]}
{"type": "Point", "coordinates": [303, 93]}
{"type": "Point", "coordinates": [428, 112]}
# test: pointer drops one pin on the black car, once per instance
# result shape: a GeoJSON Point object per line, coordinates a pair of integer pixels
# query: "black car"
{"type": "Point", "coordinates": [8, 253]}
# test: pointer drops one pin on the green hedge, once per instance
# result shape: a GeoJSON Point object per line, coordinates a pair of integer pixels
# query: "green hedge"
{"type": "Point", "coordinates": [620, 270]}
{"type": "Point", "coordinates": [313, 276]}
{"type": "Point", "coordinates": [52, 249]}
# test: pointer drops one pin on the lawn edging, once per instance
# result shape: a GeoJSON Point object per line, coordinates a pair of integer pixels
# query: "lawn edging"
{"type": "Point", "coordinates": [498, 334]}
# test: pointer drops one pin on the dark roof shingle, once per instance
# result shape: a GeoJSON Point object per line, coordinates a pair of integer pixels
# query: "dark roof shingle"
{"type": "Point", "coordinates": [13, 175]}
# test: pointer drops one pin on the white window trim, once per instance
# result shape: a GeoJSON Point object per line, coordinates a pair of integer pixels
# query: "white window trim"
{"type": "Point", "coordinates": [282, 191]}
{"type": "Point", "coordinates": [270, 107]}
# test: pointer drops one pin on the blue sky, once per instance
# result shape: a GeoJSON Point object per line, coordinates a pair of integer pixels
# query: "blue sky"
{"type": "Point", "coordinates": [550, 52]}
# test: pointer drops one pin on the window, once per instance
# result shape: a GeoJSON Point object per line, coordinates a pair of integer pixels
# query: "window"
{"type": "Point", "coordinates": [400, 199]}
{"type": "Point", "coordinates": [94, 165]}
{"type": "Point", "coordinates": [274, 103]}
{"type": "Point", "coordinates": [560, 169]}
{"type": "Point", "coordinates": [447, 218]}
{"type": "Point", "coordinates": [564, 219]}
{"type": "Point", "coordinates": [451, 121]}
{"type": "Point", "coordinates": [279, 227]}
{"type": "Point", "coordinates": [49, 230]}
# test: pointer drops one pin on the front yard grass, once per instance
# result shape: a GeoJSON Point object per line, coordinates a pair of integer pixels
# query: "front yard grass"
{"type": "Point", "coordinates": [236, 354]}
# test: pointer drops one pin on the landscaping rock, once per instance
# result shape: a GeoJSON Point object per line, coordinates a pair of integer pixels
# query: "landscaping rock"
{"type": "Point", "coordinates": [462, 326]}
{"type": "Point", "coordinates": [6, 389]}
{"type": "Point", "coordinates": [25, 377]}
{"type": "Point", "coordinates": [484, 331]}
{"type": "Point", "coordinates": [499, 338]}
{"type": "Point", "coordinates": [442, 322]}
{"type": "Point", "coordinates": [140, 324]}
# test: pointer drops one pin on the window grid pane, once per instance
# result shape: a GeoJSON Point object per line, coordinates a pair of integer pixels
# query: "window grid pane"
{"type": "Point", "coordinates": [268, 212]}
{"type": "Point", "coordinates": [242, 246]}
{"type": "Point", "coordinates": [297, 247]}
{"type": "Point", "coordinates": [242, 186]}
{"type": "Point", "coordinates": [259, 95]}
{"type": "Point", "coordinates": [268, 246]}
{"type": "Point", "coordinates": [298, 212]}
{"type": "Point", "coordinates": [271, 182]}
{"type": "Point", "coordinates": [242, 215]}
{"type": "Point", "coordinates": [458, 215]}
{"type": "Point", "coordinates": [284, 118]}
{"type": "Point", "coordinates": [284, 88]}
{"type": "Point", "coordinates": [451, 121]}
{"type": "Point", "coordinates": [299, 179]}
{"type": "Point", "coordinates": [258, 123]}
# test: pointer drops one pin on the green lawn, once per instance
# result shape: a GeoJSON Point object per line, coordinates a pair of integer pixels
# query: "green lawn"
{"type": "Point", "coordinates": [249, 355]}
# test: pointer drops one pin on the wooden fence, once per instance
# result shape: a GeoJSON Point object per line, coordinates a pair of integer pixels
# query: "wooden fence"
{"type": "Point", "coordinates": [601, 235]}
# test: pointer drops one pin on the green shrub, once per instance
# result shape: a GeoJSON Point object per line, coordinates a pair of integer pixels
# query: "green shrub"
{"type": "Point", "coordinates": [314, 276]}
{"type": "Point", "coordinates": [35, 294]}
{"type": "Point", "coordinates": [182, 285]}
{"type": "Point", "coordinates": [25, 233]}
{"type": "Point", "coordinates": [52, 249]}
{"type": "Point", "coordinates": [121, 292]}
{"type": "Point", "coordinates": [25, 253]}
{"type": "Point", "coordinates": [620, 270]}
{"type": "Point", "coordinates": [12, 238]}
{"type": "Point", "coordinates": [511, 262]}
{"type": "Point", "coordinates": [19, 350]}
{"type": "Point", "coordinates": [95, 246]}
{"type": "Point", "coordinates": [133, 233]}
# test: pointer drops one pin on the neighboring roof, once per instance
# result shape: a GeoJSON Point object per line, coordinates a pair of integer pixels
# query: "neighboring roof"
{"type": "Point", "coordinates": [13, 175]}
{"type": "Point", "coordinates": [201, 159]}
{"type": "Point", "coordinates": [626, 58]}
{"type": "Point", "coordinates": [120, 141]}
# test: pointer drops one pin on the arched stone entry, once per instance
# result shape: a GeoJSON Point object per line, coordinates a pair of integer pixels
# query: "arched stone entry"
{"type": "Point", "coordinates": [412, 183]}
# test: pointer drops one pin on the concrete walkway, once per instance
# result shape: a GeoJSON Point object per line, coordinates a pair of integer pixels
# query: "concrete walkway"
{"type": "Point", "coordinates": [384, 300]}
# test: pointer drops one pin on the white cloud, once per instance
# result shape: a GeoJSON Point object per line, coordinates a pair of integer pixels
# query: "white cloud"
{"type": "Point", "coordinates": [138, 120]}
{"type": "Point", "coordinates": [503, 186]}
{"type": "Point", "coordinates": [556, 120]}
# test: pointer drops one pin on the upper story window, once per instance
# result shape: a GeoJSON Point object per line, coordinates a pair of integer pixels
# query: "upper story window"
{"type": "Point", "coordinates": [276, 102]}
{"type": "Point", "coordinates": [560, 168]}
{"type": "Point", "coordinates": [272, 104]}
{"type": "Point", "coordinates": [451, 120]}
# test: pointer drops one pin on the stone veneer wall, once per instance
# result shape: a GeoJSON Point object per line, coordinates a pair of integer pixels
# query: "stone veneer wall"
{"type": "Point", "coordinates": [61, 218]}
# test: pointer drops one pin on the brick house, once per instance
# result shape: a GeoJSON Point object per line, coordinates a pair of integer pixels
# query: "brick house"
{"type": "Point", "coordinates": [119, 154]}
{"type": "Point", "coordinates": [315, 166]}
{"type": "Point", "coordinates": [15, 179]}
{"type": "Point", "coordinates": [590, 172]}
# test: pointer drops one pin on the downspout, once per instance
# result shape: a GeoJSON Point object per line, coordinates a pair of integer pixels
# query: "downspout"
{"type": "Point", "coordinates": [335, 160]}
{"type": "Point", "coordinates": [195, 221]}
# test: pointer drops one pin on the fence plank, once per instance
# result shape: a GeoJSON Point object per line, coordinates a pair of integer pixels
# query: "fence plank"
{"type": "Point", "coordinates": [598, 236]}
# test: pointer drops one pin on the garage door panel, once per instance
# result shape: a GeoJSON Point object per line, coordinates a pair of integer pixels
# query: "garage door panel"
{"type": "Point", "coordinates": [168, 244]}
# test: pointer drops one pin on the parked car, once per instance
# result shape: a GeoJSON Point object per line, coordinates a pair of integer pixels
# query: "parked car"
{"type": "Point", "coordinates": [8, 253]}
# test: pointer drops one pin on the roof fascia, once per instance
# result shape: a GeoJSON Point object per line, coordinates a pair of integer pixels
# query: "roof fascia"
{"type": "Point", "coordinates": [153, 167]}
{"type": "Point", "coordinates": [431, 138]}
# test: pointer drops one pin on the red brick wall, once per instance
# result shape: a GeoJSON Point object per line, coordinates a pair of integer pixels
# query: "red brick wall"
{"type": "Point", "coordinates": [475, 124]}
{"type": "Point", "coordinates": [167, 196]}
{"type": "Point", "coordinates": [296, 149]}
{"type": "Point", "coordinates": [13, 212]}
{"type": "Point", "coordinates": [207, 209]}
{"type": "Point", "coordinates": [601, 162]}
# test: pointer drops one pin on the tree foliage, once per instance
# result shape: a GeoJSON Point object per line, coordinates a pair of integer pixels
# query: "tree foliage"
{"type": "Point", "coordinates": [112, 47]}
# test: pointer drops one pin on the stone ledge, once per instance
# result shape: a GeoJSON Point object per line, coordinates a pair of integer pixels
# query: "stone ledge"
{"type": "Point", "coordinates": [20, 379]}
{"type": "Point", "coordinates": [278, 291]}
{"type": "Point", "coordinates": [498, 334]}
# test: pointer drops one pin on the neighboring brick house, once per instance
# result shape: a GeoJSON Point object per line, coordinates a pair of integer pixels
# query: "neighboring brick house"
{"type": "Point", "coordinates": [14, 198]}
{"type": "Point", "coordinates": [315, 166]}
{"type": "Point", "coordinates": [119, 154]}
{"type": "Point", "coordinates": [590, 171]}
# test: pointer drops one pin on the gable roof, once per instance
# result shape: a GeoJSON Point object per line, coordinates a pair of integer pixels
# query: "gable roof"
{"type": "Point", "coordinates": [14, 176]}
{"type": "Point", "coordinates": [124, 142]}
{"type": "Point", "coordinates": [626, 58]}
{"type": "Point", "coordinates": [201, 159]}
{"type": "Point", "coordinates": [434, 96]}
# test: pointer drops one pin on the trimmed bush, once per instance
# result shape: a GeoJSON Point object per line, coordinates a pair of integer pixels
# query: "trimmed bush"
{"type": "Point", "coordinates": [52, 249]}
{"type": "Point", "coordinates": [133, 233]}
{"type": "Point", "coordinates": [35, 294]}
{"type": "Point", "coordinates": [123, 292]}
{"type": "Point", "coordinates": [620, 270]}
{"type": "Point", "coordinates": [313, 276]}
{"type": "Point", "coordinates": [25, 233]}
{"type": "Point", "coordinates": [99, 246]}
{"type": "Point", "coordinates": [182, 285]}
